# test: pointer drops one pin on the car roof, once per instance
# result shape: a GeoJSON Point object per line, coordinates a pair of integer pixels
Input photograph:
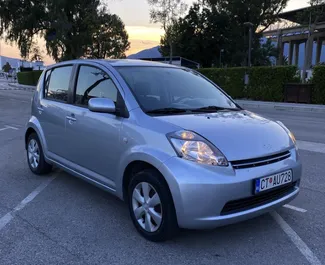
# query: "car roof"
{"type": "Point", "coordinates": [118, 62]}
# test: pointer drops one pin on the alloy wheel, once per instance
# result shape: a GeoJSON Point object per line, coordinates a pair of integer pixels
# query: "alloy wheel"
{"type": "Point", "coordinates": [33, 153]}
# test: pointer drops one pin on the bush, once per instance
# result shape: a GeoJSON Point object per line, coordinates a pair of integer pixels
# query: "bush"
{"type": "Point", "coordinates": [265, 83]}
{"type": "Point", "coordinates": [231, 80]}
{"type": "Point", "coordinates": [29, 78]}
{"type": "Point", "coordinates": [318, 79]}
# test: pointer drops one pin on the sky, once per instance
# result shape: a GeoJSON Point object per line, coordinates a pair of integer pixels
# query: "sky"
{"type": "Point", "coordinates": [135, 14]}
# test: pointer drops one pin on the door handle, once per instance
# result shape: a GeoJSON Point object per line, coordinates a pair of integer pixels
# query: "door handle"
{"type": "Point", "coordinates": [40, 110]}
{"type": "Point", "coordinates": [71, 118]}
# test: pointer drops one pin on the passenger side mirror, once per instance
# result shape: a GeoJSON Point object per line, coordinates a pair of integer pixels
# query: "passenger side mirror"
{"type": "Point", "coordinates": [103, 105]}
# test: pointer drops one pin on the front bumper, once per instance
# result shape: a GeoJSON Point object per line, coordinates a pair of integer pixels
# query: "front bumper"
{"type": "Point", "coordinates": [200, 192]}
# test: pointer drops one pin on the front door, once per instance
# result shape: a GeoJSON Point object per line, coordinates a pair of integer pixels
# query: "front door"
{"type": "Point", "coordinates": [93, 138]}
{"type": "Point", "coordinates": [51, 111]}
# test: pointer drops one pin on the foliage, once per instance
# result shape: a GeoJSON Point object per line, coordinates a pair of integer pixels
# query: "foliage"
{"type": "Point", "coordinates": [6, 68]}
{"type": "Point", "coordinates": [215, 25]}
{"type": "Point", "coordinates": [110, 39]}
{"type": "Point", "coordinates": [318, 79]}
{"type": "Point", "coordinates": [231, 80]}
{"type": "Point", "coordinates": [68, 26]}
{"type": "Point", "coordinates": [36, 53]}
{"type": "Point", "coordinates": [265, 83]}
{"type": "Point", "coordinates": [29, 78]}
{"type": "Point", "coordinates": [167, 12]}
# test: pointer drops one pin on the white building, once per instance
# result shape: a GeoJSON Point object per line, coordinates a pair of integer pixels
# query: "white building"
{"type": "Point", "coordinates": [16, 63]}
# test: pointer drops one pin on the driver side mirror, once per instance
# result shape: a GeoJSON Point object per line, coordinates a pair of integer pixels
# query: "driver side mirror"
{"type": "Point", "coordinates": [103, 105]}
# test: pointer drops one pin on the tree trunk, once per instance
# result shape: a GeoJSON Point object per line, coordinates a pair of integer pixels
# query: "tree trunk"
{"type": "Point", "coordinates": [170, 52]}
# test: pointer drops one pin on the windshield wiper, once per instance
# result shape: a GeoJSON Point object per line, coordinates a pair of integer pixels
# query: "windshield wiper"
{"type": "Point", "coordinates": [167, 111]}
{"type": "Point", "coordinates": [214, 108]}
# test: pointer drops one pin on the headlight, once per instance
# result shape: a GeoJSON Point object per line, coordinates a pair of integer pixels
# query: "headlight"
{"type": "Point", "coordinates": [193, 147]}
{"type": "Point", "coordinates": [292, 137]}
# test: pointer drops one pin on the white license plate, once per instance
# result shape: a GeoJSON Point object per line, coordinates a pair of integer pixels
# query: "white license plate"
{"type": "Point", "coordinates": [273, 181]}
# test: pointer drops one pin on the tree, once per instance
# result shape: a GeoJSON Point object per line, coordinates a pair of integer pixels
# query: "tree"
{"type": "Point", "coordinates": [36, 53]}
{"type": "Point", "coordinates": [7, 67]}
{"type": "Point", "coordinates": [167, 12]}
{"type": "Point", "coordinates": [110, 39]}
{"type": "Point", "coordinates": [68, 26]}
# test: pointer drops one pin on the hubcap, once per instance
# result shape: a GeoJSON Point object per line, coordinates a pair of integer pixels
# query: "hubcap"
{"type": "Point", "coordinates": [147, 207]}
{"type": "Point", "coordinates": [33, 153]}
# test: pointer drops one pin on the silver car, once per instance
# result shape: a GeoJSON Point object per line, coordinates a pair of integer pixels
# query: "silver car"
{"type": "Point", "coordinates": [165, 139]}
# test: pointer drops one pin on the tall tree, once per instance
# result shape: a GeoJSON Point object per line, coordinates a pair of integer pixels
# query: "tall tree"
{"type": "Point", "coordinates": [167, 12]}
{"type": "Point", "coordinates": [68, 26]}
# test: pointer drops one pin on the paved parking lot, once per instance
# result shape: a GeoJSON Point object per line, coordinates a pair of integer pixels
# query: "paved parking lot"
{"type": "Point", "coordinates": [59, 219]}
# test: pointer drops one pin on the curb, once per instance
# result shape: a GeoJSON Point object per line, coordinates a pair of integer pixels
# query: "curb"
{"type": "Point", "coordinates": [19, 87]}
{"type": "Point", "coordinates": [282, 106]}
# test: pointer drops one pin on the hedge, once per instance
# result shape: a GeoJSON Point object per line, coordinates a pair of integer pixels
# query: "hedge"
{"type": "Point", "coordinates": [29, 78]}
{"type": "Point", "coordinates": [318, 79]}
{"type": "Point", "coordinates": [265, 83]}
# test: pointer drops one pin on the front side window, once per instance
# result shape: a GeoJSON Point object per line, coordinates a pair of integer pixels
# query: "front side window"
{"type": "Point", "coordinates": [57, 82]}
{"type": "Point", "coordinates": [173, 88]}
{"type": "Point", "coordinates": [94, 83]}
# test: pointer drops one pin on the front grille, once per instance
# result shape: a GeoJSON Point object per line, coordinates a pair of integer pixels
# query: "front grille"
{"type": "Point", "coordinates": [261, 161]}
{"type": "Point", "coordinates": [257, 200]}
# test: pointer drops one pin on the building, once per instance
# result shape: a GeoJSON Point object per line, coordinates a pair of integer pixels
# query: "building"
{"type": "Point", "coordinates": [17, 63]}
{"type": "Point", "coordinates": [300, 36]}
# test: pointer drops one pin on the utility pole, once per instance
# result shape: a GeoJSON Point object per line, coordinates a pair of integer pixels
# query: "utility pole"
{"type": "Point", "coordinates": [250, 26]}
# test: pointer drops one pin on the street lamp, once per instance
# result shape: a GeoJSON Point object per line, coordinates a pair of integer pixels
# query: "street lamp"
{"type": "Point", "coordinates": [250, 25]}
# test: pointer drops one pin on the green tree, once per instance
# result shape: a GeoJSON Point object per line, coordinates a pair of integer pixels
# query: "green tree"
{"type": "Point", "coordinates": [6, 68]}
{"type": "Point", "coordinates": [167, 12]}
{"type": "Point", "coordinates": [110, 39]}
{"type": "Point", "coordinates": [68, 26]}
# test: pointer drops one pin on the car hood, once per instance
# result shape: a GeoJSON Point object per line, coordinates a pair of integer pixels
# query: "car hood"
{"type": "Point", "coordinates": [237, 134]}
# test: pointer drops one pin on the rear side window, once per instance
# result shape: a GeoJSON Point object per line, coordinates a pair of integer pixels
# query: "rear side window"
{"type": "Point", "coordinates": [57, 82]}
{"type": "Point", "coordinates": [94, 83]}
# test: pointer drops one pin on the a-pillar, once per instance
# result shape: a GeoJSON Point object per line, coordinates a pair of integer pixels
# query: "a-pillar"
{"type": "Point", "coordinates": [319, 50]}
{"type": "Point", "coordinates": [297, 45]}
{"type": "Point", "coordinates": [280, 48]}
{"type": "Point", "coordinates": [291, 43]}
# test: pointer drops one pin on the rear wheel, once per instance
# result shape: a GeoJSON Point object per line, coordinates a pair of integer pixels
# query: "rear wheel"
{"type": "Point", "coordinates": [151, 206]}
{"type": "Point", "coordinates": [35, 156]}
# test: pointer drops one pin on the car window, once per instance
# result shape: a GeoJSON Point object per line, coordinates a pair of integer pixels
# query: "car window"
{"type": "Point", "coordinates": [57, 82]}
{"type": "Point", "coordinates": [94, 83]}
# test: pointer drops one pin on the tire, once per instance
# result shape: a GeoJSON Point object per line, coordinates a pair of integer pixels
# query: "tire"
{"type": "Point", "coordinates": [42, 166]}
{"type": "Point", "coordinates": [168, 227]}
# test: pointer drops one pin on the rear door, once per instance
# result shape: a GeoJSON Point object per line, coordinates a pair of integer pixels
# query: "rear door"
{"type": "Point", "coordinates": [52, 109]}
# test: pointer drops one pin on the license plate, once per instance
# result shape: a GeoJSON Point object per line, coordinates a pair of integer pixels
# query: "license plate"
{"type": "Point", "coordinates": [270, 182]}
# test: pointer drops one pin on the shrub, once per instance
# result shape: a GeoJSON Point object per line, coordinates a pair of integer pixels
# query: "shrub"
{"type": "Point", "coordinates": [231, 80]}
{"type": "Point", "coordinates": [267, 83]}
{"type": "Point", "coordinates": [29, 78]}
{"type": "Point", "coordinates": [318, 79]}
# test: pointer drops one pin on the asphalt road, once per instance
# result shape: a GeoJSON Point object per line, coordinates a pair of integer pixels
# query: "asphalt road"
{"type": "Point", "coordinates": [65, 220]}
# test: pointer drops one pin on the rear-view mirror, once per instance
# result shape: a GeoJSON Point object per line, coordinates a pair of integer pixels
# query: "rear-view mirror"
{"type": "Point", "coordinates": [103, 105]}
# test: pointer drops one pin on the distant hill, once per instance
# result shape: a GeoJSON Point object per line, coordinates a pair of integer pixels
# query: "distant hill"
{"type": "Point", "coordinates": [148, 53]}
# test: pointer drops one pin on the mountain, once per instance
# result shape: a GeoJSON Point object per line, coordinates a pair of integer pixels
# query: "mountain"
{"type": "Point", "coordinates": [148, 53]}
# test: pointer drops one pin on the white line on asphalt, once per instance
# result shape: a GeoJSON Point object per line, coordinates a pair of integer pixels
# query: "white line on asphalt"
{"type": "Point", "coordinates": [295, 208]}
{"type": "Point", "coordinates": [301, 245]}
{"type": "Point", "coordinates": [8, 127]}
{"type": "Point", "coordinates": [9, 216]}
{"type": "Point", "coordinates": [311, 146]}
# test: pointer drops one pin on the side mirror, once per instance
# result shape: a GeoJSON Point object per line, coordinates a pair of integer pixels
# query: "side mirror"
{"type": "Point", "coordinates": [103, 105]}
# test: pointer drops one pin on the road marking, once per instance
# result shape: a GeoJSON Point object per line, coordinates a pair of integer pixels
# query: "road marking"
{"type": "Point", "coordinates": [301, 245]}
{"type": "Point", "coordinates": [311, 146]}
{"type": "Point", "coordinates": [9, 216]}
{"type": "Point", "coordinates": [294, 208]}
{"type": "Point", "coordinates": [8, 127]}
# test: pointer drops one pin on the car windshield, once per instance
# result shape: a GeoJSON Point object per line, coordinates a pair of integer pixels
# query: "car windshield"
{"type": "Point", "coordinates": [173, 89]}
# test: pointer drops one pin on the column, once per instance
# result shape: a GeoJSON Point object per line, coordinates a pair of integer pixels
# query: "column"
{"type": "Point", "coordinates": [291, 43]}
{"type": "Point", "coordinates": [319, 50]}
{"type": "Point", "coordinates": [280, 48]}
{"type": "Point", "coordinates": [297, 45]}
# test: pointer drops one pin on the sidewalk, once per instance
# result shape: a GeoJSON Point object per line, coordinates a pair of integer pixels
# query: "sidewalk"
{"type": "Point", "coordinates": [16, 86]}
{"type": "Point", "coordinates": [282, 106]}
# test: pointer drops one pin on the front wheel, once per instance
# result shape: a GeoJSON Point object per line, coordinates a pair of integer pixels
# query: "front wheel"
{"type": "Point", "coordinates": [151, 206]}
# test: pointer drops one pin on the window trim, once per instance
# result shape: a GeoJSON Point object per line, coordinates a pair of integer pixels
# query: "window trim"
{"type": "Point", "coordinates": [69, 86]}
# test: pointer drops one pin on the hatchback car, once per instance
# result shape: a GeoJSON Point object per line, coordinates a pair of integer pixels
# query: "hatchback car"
{"type": "Point", "coordinates": [165, 139]}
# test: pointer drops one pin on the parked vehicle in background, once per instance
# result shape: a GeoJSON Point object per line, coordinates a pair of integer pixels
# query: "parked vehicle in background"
{"type": "Point", "coordinates": [163, 138]}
